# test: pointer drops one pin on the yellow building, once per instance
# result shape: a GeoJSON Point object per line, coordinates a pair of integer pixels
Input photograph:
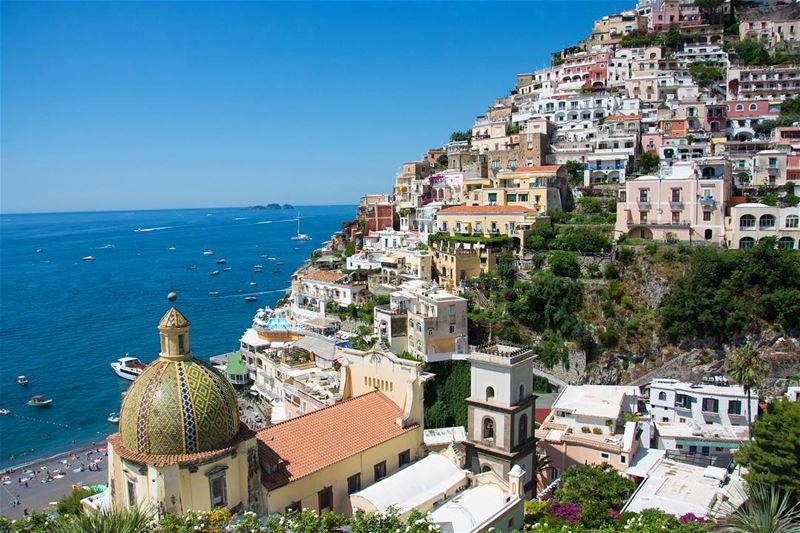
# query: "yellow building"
{"type": "Point", "coordinates": [537, 188]}
{"type": "Point", "coordinates": [180, 444]}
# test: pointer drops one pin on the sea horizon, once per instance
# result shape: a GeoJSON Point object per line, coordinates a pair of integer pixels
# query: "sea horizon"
{"type": "Point", "coordinates": [156, 209]}
{"type": "Point", "coordinates": [64, 320]}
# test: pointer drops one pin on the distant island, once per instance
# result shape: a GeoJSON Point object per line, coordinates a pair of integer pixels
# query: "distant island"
{"type": "Point", "coordinates": [270, 206]}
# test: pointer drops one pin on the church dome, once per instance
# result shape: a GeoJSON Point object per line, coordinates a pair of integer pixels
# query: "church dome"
{"type": "Point", "coordinates": [179, 404]}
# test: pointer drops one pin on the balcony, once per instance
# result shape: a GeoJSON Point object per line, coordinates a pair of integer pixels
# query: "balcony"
{"type": "Point", "coordinates": [644, 205]}
{"type": "Point", "coordinates": [676, 205]}
{"type": "Point", "coordinates": [708, 203]}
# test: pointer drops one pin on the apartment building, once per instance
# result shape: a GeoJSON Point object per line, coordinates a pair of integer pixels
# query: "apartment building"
{"type": "Point", "coordinates": [684, 202]}
{"type": "Point", "coordinates": [425, 320]}
{"type": "Point", "coordinates": [699, 418]}
{"type": "Point", "coordinates": [779, 27]}
{"type": "Point", "coordinates": [587, 425]}
{"type": "Point", "coordinates": [711, 54]}
{"type": "Point", "coordinates": [537, 188]}
{"type": "Point", "coordinates": [411, 184]}
{"type": "Point", "coordinates": [612, 28]}
{"type": "Point", "coordinates": [313, 290]}
{"type": "Point", "coordinates": [666, 14]}
{"type": "Point", "coordinates": [614, 150]}
{"type": "Point", "coordinates": [756, 82]}
{"type": "Point", "coordinates": [748, 223]}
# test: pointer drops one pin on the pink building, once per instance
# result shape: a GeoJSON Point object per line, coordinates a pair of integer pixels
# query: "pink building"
{"type": "Point", "coordinates": [685, 202]}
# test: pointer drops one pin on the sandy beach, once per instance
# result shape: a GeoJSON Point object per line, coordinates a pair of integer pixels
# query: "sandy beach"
{"type": "Point", "coordinates": [39, 493]}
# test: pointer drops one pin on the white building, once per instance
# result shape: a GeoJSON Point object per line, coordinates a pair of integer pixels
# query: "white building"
{"type": "Point", "coordinates": [749, 223]}
{"type": "Point", "coordinates": [314, 289]}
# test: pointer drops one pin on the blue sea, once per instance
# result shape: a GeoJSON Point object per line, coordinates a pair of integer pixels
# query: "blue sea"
{"type": "Point", "coordinates": [64, 320]}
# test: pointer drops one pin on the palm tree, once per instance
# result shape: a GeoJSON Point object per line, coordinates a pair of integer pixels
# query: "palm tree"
{"type": "Point", "coordinates": [766, 510]}
{"type": "Point", "coordinates": [746, 368]}
{"type": "Point", "coordinates": [113, 520]}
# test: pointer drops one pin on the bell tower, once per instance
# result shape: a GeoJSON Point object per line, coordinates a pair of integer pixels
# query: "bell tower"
{"type": "Point", "coordinates": [174, 332]}
{"type": "Point", "coordinates": [500, 433]}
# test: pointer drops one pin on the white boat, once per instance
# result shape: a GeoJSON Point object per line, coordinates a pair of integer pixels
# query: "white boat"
{"type": "Point", "coordinates": [249, 298]}
{"type": "Point", "coordinates": [113, 418]}
{"type": "Point", "coordinates": [5, 411]}
{"type": "Point", "coordinates": [226, 269]}
{"type": "Point", "coordinates": [39, 401]}
{"type": "Point", "coordinates": [39, 251]}
{"type": "Point", "coordinates": [221, 261]}
{"type": "Point", "coordinates": [252, 283]}
{"type": "Point", "coordinates": [171, 248]}
{"type": "Point", "coordinates": [258, 268]}
{"type": "Point", "coordinates": [128, 367]}
{"type": "Point", "coordinates": [300, 236]}
{"type": "Point", "coordinates": [213, 293]}
{"type": "Point", "coordinates": [22, 380]}
{"type": "Point", "coordinates": [214, 273]}
{"type": "Point", "coordinates": [88, 258]}
{"type": "Point", "coordinates": [208, 252]}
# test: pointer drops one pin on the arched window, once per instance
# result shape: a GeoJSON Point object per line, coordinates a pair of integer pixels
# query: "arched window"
{"type": "Point", "coordinates": [753, 107]}
{"type": "Point", "coordinates": [488, 428]}
{"type": "Point", "coordinates": [708, 234]}
{"type": "Point", "coordinates": [489, 393]}
{"type": "Point", "coordinates": [746, 242]}
{"type": "Point", "coordinates": [523, 429]}
{"type": "Point", "coordinates": [747, 222]}
{"type": "Point", "coordinates": [662, 396]}
{"type": "Point", "coordinates": [766, 221]}
{"type": "Point", "coordinates": [786, 243]}
{"type": "Point", "coordinates": [792, 221]}
{"type": "Point", "coordinates": [521, 392]}
{"type": "Point", "coordinates": [486, 468]}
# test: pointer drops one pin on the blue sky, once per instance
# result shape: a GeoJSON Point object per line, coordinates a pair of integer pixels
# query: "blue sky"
{"type": "Point", "coordinates": [188, 104]}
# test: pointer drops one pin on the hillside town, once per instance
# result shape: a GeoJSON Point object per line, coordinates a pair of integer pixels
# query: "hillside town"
{"type": "Point", "coordinates": [505, 323]}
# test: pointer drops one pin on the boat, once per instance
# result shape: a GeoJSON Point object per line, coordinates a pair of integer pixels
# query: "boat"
{"type": "Point", "coordinates": [213, 293]}
{"type": "Point", "coordinates": [279, 263]}
{"type": "Point", "coordinates": [257, 268]}
{"type": "Point", "coordinates": [208, 252]}
{"type": "Point", "coordinates": [249, 298]}
{"type": "Point", "coordinates": [191, 267]}
{"type": "Point", "coordinates": [39, 251]}
{"type": "Point", "coordinates": [221, 261]}
{"type": "Point", "coordinates": [171, 248]}
{"type": "Point", "coordinates": [5, 411]}
{"type": "Point", "coordinates": [22, 380]}
{"type": "Point", "coordinates": [128, 367]}
{"type": "Point", "coordinates": [226, 269]}
{"type": "Point", "coordinates": [88, 258]}
{"type": "Point", "coordinates": [214, 273]}
{"type": "Point", "coordinates": [113, 418]}
{"type": "Point", "coordinates": [300, 236]}
{"type": "Point", "coordinates": [39, 401]}
{"type": "Point", "coordinates": [252, 283]}
{"type": "Point", "coordinates": [296, 248]}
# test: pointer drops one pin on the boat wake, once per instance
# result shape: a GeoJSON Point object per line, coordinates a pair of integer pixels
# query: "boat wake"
{"type": "Point", "coordinates": [146, 230]}
{"type": "Point", "coordinates": [251, 293]}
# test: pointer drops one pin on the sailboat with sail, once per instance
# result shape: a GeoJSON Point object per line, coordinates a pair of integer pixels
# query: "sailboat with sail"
{"type": "Point", "coordinates": [300, 236]}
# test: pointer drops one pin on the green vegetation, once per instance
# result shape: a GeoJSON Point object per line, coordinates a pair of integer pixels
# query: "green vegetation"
{"type": "Point", "coordinates": [596, 490]}
{"type": "Point", "coordinates": [649, 162]}
{"type": "Point", "coordinates": [445, 395]}
{"type": "Point", "coordinates": [461, 135]}
{"type": "Point", "coordinates": [747, 369]}
{"type": "Point", "coordinates": [583, 239]}
{"type": "Point", "coordinates": [773, 456]}
{"type": "Point", "coordinates": [672, 39]}
{"type": "Point", "coordinates": [564, 264]}
{"type": "Point", "coordinates": [755, 52]}
{"type": "Point", "coordinates": [705, 75]}
{"type": "Point", "coordinates": [767, 509]}
{"type": "Point", "coordinates": [725, 292]}
{"type": "Point", "coordinates": [790, 113]}
{"type": "Point", "coordinates": [442, 160]}
{"type": "Point", "coordinates": [498, 240]}
{"type": "Point", "coordinates": [364, 313]}
{"type": "Point", "coordinates": [71, 503]}
{"type": "Point", "coordinates": [575, 172]}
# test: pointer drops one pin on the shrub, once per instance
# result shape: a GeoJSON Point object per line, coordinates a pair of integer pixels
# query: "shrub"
{"type": "Point", "coordinates": [564, 264]}
{"type": "Point", "coordinates": [625, 255]}
{"type": "Point", "coordinates": [71, 503]}
{"type": "Point", "coordinates": [586, 429]}
{"type": "Point", "coordinates": [597, 431]}
{"type": "Point", "coordinates": [610, 271]}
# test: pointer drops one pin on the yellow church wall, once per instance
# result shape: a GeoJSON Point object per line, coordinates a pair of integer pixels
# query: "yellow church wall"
{"type": "Point", "coordinates": [305, 489]}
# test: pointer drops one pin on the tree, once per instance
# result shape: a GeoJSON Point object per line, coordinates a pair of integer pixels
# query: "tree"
{"type": "Point", "coordinates": [746, 368]}
{"type": "Point", "coordinates": [506, 270]}
{"type": "Point", "coordinates": [673, 38]}
{"type": "Point", "coordinates": [442, 160]}
{"type": "Point", "coordinates": [649, 162]}
{"type": "Point", "coordinates": [461, 135]}
{"type": "Point", "coordinates": [130, 520]}
{"type": "Point", "coordinates": [575, 173]}
{"type": "Point", "coordinates": [564, 264]}
{"type": "Point", "coordinates": [704, 74]}
{"type": "Point", "coordinates": [773, 456]}
{"type": "Point", "coordinates": [595, 489]}
{"type": "Point", "coordinates": [711, 8]}
{"type": "Point", "coordinates": [752, 52]}
{"type": "Point", "coordinates": [766, 510]}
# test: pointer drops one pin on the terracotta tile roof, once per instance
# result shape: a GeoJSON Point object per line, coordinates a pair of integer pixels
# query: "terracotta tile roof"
{"type": "Point", "coordinates": [115, 440]}
{"type": "Point", "coordinates": [540, 414]}
{"type": "Point", "coordinates": [303, 445]}
{"type": "Point", "coordinates": [545, 168]}
{"type": "Point", "coordinates": [486, 210]}
{"type": "Point", "coordinates": [617, 118]}
{"type": "Point", "coordinates": [328, 276]}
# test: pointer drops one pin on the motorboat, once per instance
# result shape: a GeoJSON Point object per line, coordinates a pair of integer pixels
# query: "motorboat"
{"type": "Point", "coordinates": [213, 293]}
{"type": "Point", "coordinates": [252, 283]}
{"type": "Point", "coordinates": [249, 298]}
{"type": "Point", "coordinates": [5, 411]}
{"type": "Point", "coordinates": [88, 258]}
{"type": "Point", "coordinates": [221, 261]}
{"type": "Point", "coordinates": [39, 401]}
{"type": "Point", "coordinates": [214, 273]}
{"type": "Point", "coordinates": [300, 236]}
{"type": "Point", "coordinates": [128, 367]}
{"type": "Point", "coordinates": [39, 251]}
{"type": "Point", "coordinates": [191, 267]}
{"type": "Point", "coordinates": [208, 252]}
{"type": "Point", "coordinates": [113, 418]}
{"type": "Point", "coordinates": [171, 248]}
{"type": "Point", "coordinates": [22, 380]}
{"type": "Point", "coordinates": [279, 263]}
{"type": "Point", "coordinates": [226, 269]}
{"type": "Point", "coordinates": [258, 268]}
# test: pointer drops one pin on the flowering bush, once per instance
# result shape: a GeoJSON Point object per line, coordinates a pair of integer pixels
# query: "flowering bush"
{"type": "Point", "coordinates": [565, 512]}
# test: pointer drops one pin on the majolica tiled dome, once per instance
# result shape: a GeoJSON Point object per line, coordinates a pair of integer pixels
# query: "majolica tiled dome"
{"type": "Point", "coordinates": [179, 404]}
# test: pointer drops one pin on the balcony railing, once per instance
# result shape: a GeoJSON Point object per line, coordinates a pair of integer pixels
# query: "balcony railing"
{"type": "Point", "coordinates": [676, 205]}
{"type": "Point", "coordinates": [644, 205]}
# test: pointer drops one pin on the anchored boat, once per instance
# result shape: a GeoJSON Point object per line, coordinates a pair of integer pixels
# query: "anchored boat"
{"type": "Point", "coordinates": [128, 367]}
{"type": "Point", "coordinates": [39, 401]}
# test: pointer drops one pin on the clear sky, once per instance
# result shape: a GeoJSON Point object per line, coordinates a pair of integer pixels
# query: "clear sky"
{"type": "Point", "coordinates": [209, 104]}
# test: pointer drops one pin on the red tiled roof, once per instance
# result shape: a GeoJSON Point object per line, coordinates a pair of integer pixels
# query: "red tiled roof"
{"type": "Point", "coordinates": [328, 276]}
{"type": "Point", "coordinates": [617, 118]}
{"type": "Point", "coordinates": [115, 440]}
{"type": "Point", "coordinates": [545, 168]}
{"type": "Point", "coordinates": [303, 445]}
{"type": "Point", "coordinates": [485, 209]}
{"type": "Point", "coordinates": [540, 414]}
